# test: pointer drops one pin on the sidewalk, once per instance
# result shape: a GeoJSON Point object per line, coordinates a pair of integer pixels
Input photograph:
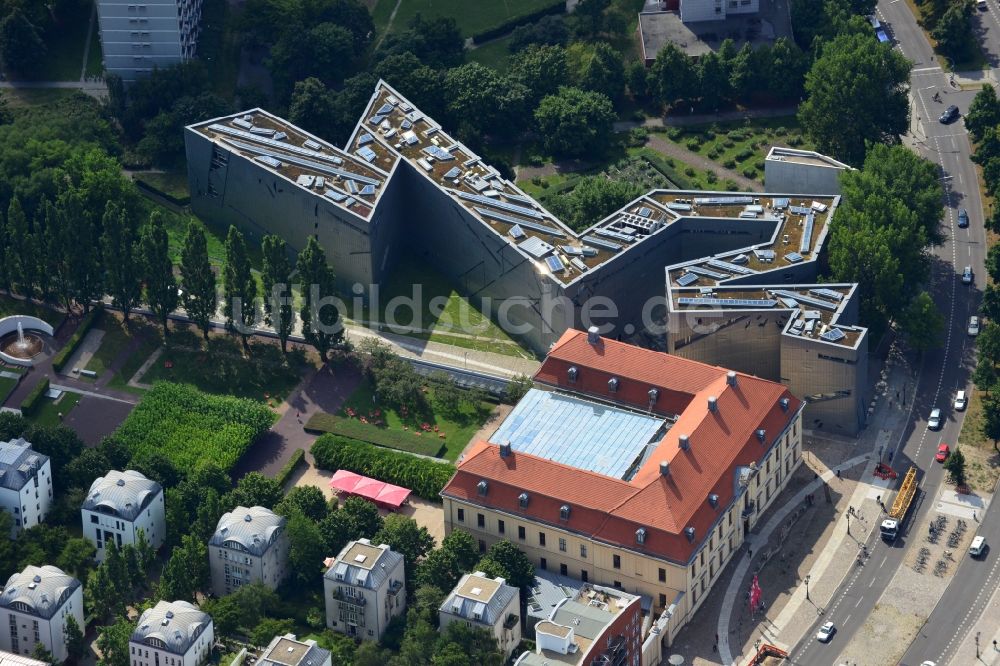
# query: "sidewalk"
{"type": "Point", "coordinates": [683, 120]}
{"type": "Point", "coordinates": [988, 630]}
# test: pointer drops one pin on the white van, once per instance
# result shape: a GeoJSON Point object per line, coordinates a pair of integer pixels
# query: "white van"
{"type": "Point", "coordinates": [978, 546]}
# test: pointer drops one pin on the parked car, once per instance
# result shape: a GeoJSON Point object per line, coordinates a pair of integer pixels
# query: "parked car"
{"type": "Point", "coordinates": [949, 115]}
{"type": "Point", "coordinates": [963, 218]}
{"type": "Point", "coordinates": [961, 401]}
{"type": "Point", "coordinates": [981, 5]}
{"type": "Point", "coordinates": [826, 632]}
{"type": "Point", "coordinates": [967, 275]}
{"type": "Point", "coordinates": [942, 453]}
{"type": "Point", "coordinates": [973, 326]}
{"type": "Point", "coordinates": [934, 422]}
{"type": "Point", "coordinates": [978, 546]}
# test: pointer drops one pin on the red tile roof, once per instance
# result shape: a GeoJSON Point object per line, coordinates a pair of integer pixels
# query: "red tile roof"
{"type": "Point", "coordinates": [611, 509]}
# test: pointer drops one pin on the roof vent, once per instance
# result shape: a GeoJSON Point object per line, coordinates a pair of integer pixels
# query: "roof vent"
{"type": "Point", "coordinates": [572, 373]}
{"type": "Point", "coordinates": [505, 450]}
{"type": "Point", "coordinates": [762, 435]}
{"type": "Point", "coordinates": [684, 442]}
{"type": "Point", "coordinates": [713, 499]}
{"type": "Point", "coordinates": [689, 533]}
{"type": "Point", "coordinates": [594, 335]}
{"type": "Point", "coordinates": [613, 385]}
{"type": "Point", "coordinates": [170, 615]}
{"type": "Point", "coordinates": [482, 487]}
{"type": "Point", "coordinates": [731, 378]}
{"type": "Point", "coordinates": [713, 404]}
{"type": "Point", "coordinates": [247, 518]}
{"type": "Point", "coordinates": [564, 512]}
{"type": "Point", "coordinates": [120, 482]}
{"type": "Point", "coordinates": [784, 404]}
{"type": "Point", "coordinates": [522, 500]}
{"type": "Point", "coordinates": [640, 536]}
{"type": "Point", "coordinates": [37, 579]}
{"type": "Point", "coordinates": [664, 468]}
{"type": "Point", "coordinates": [653, 394]}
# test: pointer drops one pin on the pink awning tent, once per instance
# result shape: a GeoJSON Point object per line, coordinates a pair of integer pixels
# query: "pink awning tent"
{"type": "Point", "coordinates": [382, 494]}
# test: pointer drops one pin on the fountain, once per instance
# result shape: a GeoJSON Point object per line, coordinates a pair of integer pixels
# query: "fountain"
{"type": "Point", "coordinates": [21, 343]}
{"type": "Point", "coordinates": [22, 346]}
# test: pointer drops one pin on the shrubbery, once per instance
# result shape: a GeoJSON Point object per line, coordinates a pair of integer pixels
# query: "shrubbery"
{"type": "Point", "coordinates": [424, 477]}
{"type": "Point", "coordinates": [191, 428]}
{"type": "Point", "coordinates": [289, 467]}
{"type": "Point", "coordinates": [33, 400]}
{"type": "Point", "coordinates": [62, 356]}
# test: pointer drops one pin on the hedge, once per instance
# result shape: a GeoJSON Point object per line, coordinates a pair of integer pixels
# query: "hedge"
{"type": "Point", "coordinates": [149, 187]}
{"type": "Point", "coordinates": [33, 400]}
{"type": "Point", "coordinates": [62, 356]}
{"type": "Point", "coordinates": [426, 478]}
{"type": "Point", "coordinates": [366, 432]}
{"type": "Point", "coordinates": [554, 7]}
{"type": "Point", "coordinates": [191, 427]}
{"type": "Point", "coordinates": [298, 457]}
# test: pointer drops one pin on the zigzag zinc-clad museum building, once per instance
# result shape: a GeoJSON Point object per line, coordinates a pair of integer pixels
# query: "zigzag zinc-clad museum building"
{"type": "Point", "coordinates": [724, 278]}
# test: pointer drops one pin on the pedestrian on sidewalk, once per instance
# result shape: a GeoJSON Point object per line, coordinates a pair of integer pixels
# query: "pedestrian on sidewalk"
{"type": "Point", "coordinates": [838, 473]}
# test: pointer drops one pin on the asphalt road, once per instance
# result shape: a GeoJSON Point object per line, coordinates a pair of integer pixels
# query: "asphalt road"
{"type": "Point", "coordinates": [942, 372]}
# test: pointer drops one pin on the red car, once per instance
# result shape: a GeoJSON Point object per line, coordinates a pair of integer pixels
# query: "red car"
{"type": "Point", "coordinates": [943, 453]}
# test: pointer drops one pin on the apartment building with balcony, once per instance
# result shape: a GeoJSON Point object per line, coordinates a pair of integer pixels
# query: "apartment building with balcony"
{"type": "Point", "coordinates": [485, 603]}
{"type": "Point", "coordinates": [172, 633]}
{"type": "Point", "coordinates": [35, 606]}
{"type": "Point", "coordinates": [139, 35]}
{"type": "Point", "coordinates": [25, 484]}
{"type": "Point", "coordinates": [364, 588]}
{"type": "Point", "coordinates": [118, 506]}
{"type": "Point", "coordinates": [631, 469]}
{"type": "Point", "coordinates": [249, 545]}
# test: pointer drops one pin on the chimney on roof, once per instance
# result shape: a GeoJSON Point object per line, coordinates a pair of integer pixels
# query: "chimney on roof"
{"type": "Point", "coordinates": [713, 499]}
{"type": "Point", "coordinates": [762, 435]}
{"type": "Point", "coordinates": [664, 468]}
{"type": "Point", "coordinates": [684, 442]}
{"type": "Point", "coordinates": [505, 450]}
{"type": "Point", "coordinates": [689, 533]}
{"type": "Point", "coordinates": [593, 336]}
{"type": "Point", "coordinates": [731, 378]}
{"type": "Point", "coordinates": [653, 395]}
{"type": "Point", "coordinates": [784, 404]}
{"type": "Point", "coordinates": [713, 404]}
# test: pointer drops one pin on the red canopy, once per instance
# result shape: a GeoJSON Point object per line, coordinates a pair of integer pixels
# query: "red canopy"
{"type": "Point", "coordinates": [382, 494]}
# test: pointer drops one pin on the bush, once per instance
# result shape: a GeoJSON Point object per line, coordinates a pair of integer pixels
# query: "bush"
{"type": "Point", "coordinates": [744, 154]}
{"type": "Point", "coordinates": [759, 165]}
{"type": "Point", "coordinates": [62, 356]}
{"type": "Point", "coordinates": [693, 144]}
{"type": "Point", "coordinates": [192, 428]}
{"type": "Point", "coordinates": [425, 478]}
{"type": "Point", "coordinates": [710, 176]}
{"type": "Point", "coordinates": [794, 141]}
{"type": "Point", "coordinates": [401, 440]}
{"type": "Point", "coordinates": [638, 136]}
{"type": "Point", "coordinates": [554, 7]}
{"type": "Point", "coordinates": [690, 172]}
{"type": "Point", "coordinates": [730, 163]}
{"type": "Point", "coordinates": [713, 154]}
{"type": "Point", "coordinates": [289, 468]}
{"type": "Point", "coordinates": [731, 186]}
{"type": "Point", "coordinates": [33, 400]}
{"type": "Point", "coordinates": [750, 172]}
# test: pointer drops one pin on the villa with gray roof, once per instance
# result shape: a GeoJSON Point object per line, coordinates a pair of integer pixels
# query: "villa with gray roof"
{"type": "Point", "coordinates": [364, 588]}
{"type": "Point", "coordinates": [37, 603]}
{"type": "Point", "coordinates": [118, 506]}
{"type": "Point", "coordinates": [172, 633]}
{"type": "Point", "coordinates": [25, 484]}
{"type": "Point", "coordinates": [485, 603]}
{"type": "Point", "coordinates": [288, 650]}
{"type": "Point", "coordinates": [250, 545]}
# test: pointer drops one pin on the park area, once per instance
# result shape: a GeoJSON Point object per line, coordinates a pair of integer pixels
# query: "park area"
{"type": "Point", "coordinates": [472, 17]}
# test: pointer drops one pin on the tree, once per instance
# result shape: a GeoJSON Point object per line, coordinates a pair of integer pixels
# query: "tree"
{"type": "Point", "coordinates": [461, 544]}
{"type": "Point", "coordinates": [923, 323]}
{"type": "Point", "coordinates": [989, 342]}
{"type": "Point", "coordinates": [312, 107]}
{"type": "Point", "coordinates": [21, 46]}
{"type": "Point", "coordinates": [268, 628]}
{"type": "Point", "coordinates": [186, 572]}
{"type": "Point", "coordinates": [440, 568]}
{"type": "Point", "coordinates": [75, 644]}
{"type": "Point", "coordinates": [113, 643]}
{"type": "Point", "coordinates": [85, 269]}
{"type": "Point", "coordinates": [955, 466]}
{"type": "Point", "coordinates": [991, 421]}
{"type": "Point", "coordinates": [77, 557]}
{"type": "Point", "coordinates": [355, 519]}
{"type": "Point", "coordinates": [513, 565]}
{"type": "Point", "coordinates": [106, 598]}
{"type": "Point", "coordinates": [437, 41]}
{"type": "Point", "coordinates": [16, 232]}
{"type": "Point", "coordinates": [953, 32]}
{"type": "Point", "coordinates": [277, 290]}
{"type": "Point", "coordinates": [983, 113]}
{"type": "Point", "coordinates": [541, 69]}
{"type": "Point", "coordinates": [255, 489]}
{"type": "Point", "coordinates": [121, 259]}
{"type": "Point", "coordinates": [517, 387]}
{"type": "Point", "coordinates": [596, 67]}
{"type": "Point", "coordinates": [575, 122]}
{"type": "Point", "coordinates": [713, 80]}
{"type": "Point", "coordinates": [306, 552]}
{"type": "Point", "coordinates": [857, 91]}
{"type": "Point", "coordinates": [41, 653]}
{"type": "Point", "coordinates": [546, 30]}
{"type": "Point", "coordinates": [197, 279]}
{"type": "Point", "coordinates": [993, 262]}
{"type": "Point", "coordinates": [321, 326]}
{"type": "Point", "coordinates": [158, 270]}
{"type": "Point", "coordinates": [673, 75]}
{"type": "Point", "coordinates": [412, 541]}
{"type": "Point", "coordinates": [309, 500]}
{"type": "Point", "coordinates": [990, 307]}
{"type": "Point", "coordinates": [325, 50]}
{"type": "Point", "coordinates": [238, 287]}
{"type": "Point", "coordinates": [593, 198]}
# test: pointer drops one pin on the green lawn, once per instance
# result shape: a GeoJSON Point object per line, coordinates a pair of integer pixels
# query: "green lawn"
{"type": "Point", "coordinates": [116, 340]}
{"type": "Point", "coordinates": [48, 412]}
{"type": "Point", "coordinates": [224, 370]}
{"type": "Point", "coordinates": [495, 54]}
{"type": "Point", "coordinates": [15, 306]}
{"type": "Point", "coordinates": [22, 98]}
{"type": "Point", "coordinates": [174, 183]}
{"type": "Point", "coordinates": [405, 433]}
{"type": "Point", "coordinates": [472, 17]}
{"type": "Point", "coordinates": [7, 384]}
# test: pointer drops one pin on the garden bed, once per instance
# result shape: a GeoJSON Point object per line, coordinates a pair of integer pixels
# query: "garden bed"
{"type": "Point", "coordinates": [403, 440]}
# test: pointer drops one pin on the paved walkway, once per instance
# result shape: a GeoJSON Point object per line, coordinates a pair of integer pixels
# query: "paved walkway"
{"type": "Point", "coordinates": [684, 120]}
{"type": "Point", "coordinates": [988, 631]}
{"type": "Point", "coordinates": [691, 158]}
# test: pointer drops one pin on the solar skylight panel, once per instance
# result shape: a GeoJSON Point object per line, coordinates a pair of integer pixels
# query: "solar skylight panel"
{"type": "Point", "coordinates": [368, 190]}
{"type": "Point", "coordinates": [676, 205]}
{"type": "Point", "coordinates": [722, 201]}
{"type": "Point", "coordinates": [406, 124]}
{"type": "Point", "coordinates": [262, 131]}
{"type": "Point", "coordinates": [589, 251]}
{"type": "Point", "coordinates": [280, 136]}
{"type": "Point", "coordinates": [614, 234]}
{"type": "Point", "coordinates": [578, 264]}
{"type": "Point", "coordinates": [365, 139]}
{"type": "Point", "coordinates": [243, 124]}
{"type": "Point", "coordinates": [827, 293]}
{"type": "Point", "coordinates": [707, 272]}
{"type": "Point", "coordinates": [385, 109]}
{"type": "Point", "coordinates": [793, 257]}
{"type": "Point", "coordinates": [453, 173]}
{"type": "Point", "coordinates": [535, 246]}
{"type": "Point", "coordinates": [789, 302]}
{"type": "Point", "coordinates": [686, 280]}
{"type": "Point", "coordinates": [352, 187]}
{"type": "Point", "coordinates": [833, 335]}
{"type": "Point", "coordinates": [764, 255]}
{"type": "Point", "coordinates": [748, 215]}
{"type": "Point", "coordinates": [305, 180]}
{"type": "Point", "coordinates": [571, 251]}
{"type": "Point", "coordinates": [555, 264]}
{"type": "Point", "coordinates": [335, 196]}
{"type": "Point", "coordinates": [376, 120]}
{"type": "Point", "coordinates": [269, 161]}
{"type": "Point", "coordinates": [728, 302]}
{"type": "Point", "coordinates": [485, 212]}
{"type": "Point", "coordinates": [732, 268]}
{"type": "Point", "coordinates": [503, 205]}
{"type": "Point", "coordinates": [807, 234]}
{"type": "Point", "coordinates": [516, 232]}
{"type": "Point", "coordinates": [284, 147]}
{"type": "Point", "coordinates": [366, 153]}
{"type": "Point", "coordinates": [645, 212]}
{"type": "Point", "coordinates": [818, 302]}
{"type": "Point", "coordinates": [811, 314]}
{"type": "Point", "coordinates": [311, 145]}
{"type": "Point", "coordinates": [800, 210]}
{"type": "Point", "coordinates": [308, 164]}
{"type": "Point", "coordinates": [597, 241]}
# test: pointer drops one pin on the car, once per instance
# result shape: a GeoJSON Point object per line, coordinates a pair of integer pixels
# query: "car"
{"type": "Point", "coordinates": [981, 5]}
{"type": "Point", "coordinates": [963, 218]}
{"type": "Point", "coordinates": [978, 546]}
{"type": "Point", "coordinates": [967, 275]}
{"type": "Point", "coordinates": [943, 452]}
{"type": "Point", "coordinates": [973, 326]}
{"type": "Point", "coordinates": [826, 632]}
{"type": "Point", "coordinates": [934, 422]}
{"type": "Point", "coordinates": [927, 663]}
{"type": "Point", "coordinates": [949, 115]}
{"type": "Point", "coordinates": [961, 401]}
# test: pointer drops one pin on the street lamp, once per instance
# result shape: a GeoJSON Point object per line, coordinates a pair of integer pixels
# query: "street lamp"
{"type": "Point", "coordinates": [807, 587]}
{"type": "Point", "coordinates": [848, 516]}
{"type": "Point", "coordinates": [977, 644]}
